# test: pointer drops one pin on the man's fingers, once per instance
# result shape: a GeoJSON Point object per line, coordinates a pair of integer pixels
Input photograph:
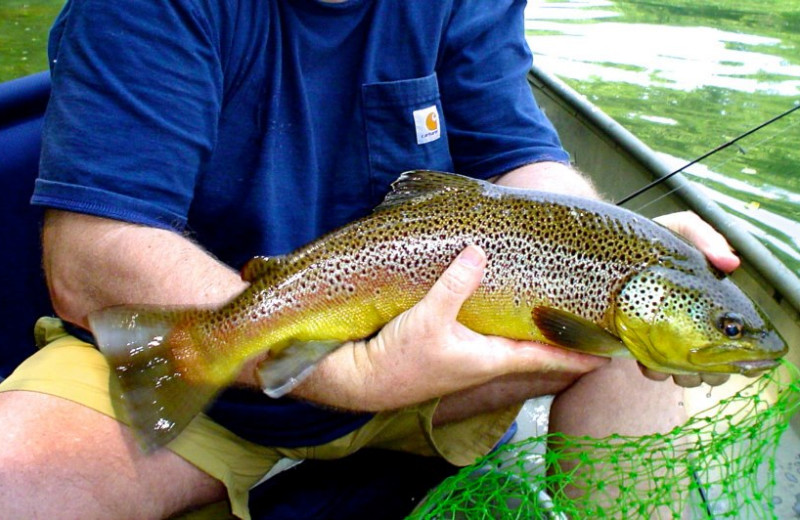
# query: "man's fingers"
{"type": "Point", "coordinates": [715, 379]}
{"type": "Point", "coordinates": [653, 374]}
{"type": "Point", "coordinates": [686, 380]}
{"type": "Point", "coordinates": [456, 284]}
{"type": "Point", "coordinates": [704, 237]}
{"type": "Point", "coordinates": [529, 356]}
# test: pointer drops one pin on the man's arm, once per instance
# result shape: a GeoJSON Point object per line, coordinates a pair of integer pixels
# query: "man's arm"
{"type": "Point", "coordinates": [92, 263]}
{"type": "Point", "coordinates": [549, 176]}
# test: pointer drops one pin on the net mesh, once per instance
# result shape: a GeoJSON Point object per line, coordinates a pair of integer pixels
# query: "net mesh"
{"type": "Point", "coordinates": [719, 464]}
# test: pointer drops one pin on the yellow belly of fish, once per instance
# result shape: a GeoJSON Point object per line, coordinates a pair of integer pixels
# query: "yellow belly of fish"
{"type": "Point", "coordinates": [360, 316]}
{"type": "Point", "coordinates": [496, 314]}
{"type": "Point", "coordinates": [341, 320]}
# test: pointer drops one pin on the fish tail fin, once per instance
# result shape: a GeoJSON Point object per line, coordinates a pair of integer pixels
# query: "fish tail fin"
{"type": "Point", "coordinates": [161, 367]}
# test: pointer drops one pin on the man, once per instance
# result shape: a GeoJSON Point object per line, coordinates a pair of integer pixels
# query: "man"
{"type": "Point", "coordinates": [184, 137]}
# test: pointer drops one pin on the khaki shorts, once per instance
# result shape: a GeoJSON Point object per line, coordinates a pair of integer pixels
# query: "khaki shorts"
{"type": "Point", "coordinates": [72, 369]}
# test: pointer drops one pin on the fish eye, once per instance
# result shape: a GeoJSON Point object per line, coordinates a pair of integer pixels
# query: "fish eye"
{"type": "Point", "coordinates": [731, 325]}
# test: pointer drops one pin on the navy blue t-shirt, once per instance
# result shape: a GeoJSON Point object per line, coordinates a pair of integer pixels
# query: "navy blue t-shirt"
{"type": "Point", "coordinates": [255, 126]}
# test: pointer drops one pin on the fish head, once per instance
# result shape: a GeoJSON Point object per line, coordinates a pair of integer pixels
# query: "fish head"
{"type": "Point", "coordinates": [694, 321]}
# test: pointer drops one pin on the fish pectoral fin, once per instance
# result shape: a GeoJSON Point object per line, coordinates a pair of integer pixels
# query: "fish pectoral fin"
{"type": "Point", "coordinates": [281, 374]}
{"type": "Point", "coordinates": [567, 330]}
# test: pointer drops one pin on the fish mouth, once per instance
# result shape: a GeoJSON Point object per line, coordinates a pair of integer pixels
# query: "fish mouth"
{"type": "Point", "coordinates": [733, 359]}
{"type": "Point", "coordinates": [751, 368]}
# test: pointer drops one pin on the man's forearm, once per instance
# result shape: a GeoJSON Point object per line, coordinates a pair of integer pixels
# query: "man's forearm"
{"type": "Point", "coordinates": [549, 176]}
{"type": "Point", "coordinates": [92, 263]}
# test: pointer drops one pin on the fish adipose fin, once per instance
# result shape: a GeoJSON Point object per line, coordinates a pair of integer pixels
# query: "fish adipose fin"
{"type": "Point", "coordinates": [160, 369]}
{"type": "Point", "coordinates": [417, 184]}
{"type": "Point", "coordinates": [575, 333]}
{"type": "Point", "coordinates": [281, 374]}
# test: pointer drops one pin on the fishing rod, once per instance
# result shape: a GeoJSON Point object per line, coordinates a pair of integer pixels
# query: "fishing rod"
{"type": "Point", "coordinates": [707, 154]}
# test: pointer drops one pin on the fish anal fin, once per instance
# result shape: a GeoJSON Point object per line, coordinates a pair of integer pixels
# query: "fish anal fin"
{"type": "Point", "coordinates": [260, 266]}
{"type": "Point", "coordinates": [417, 184]}
{"type": "Point", "coordinates": [282, 373]}
{"type": "Point", "coordinates": [573, 332]}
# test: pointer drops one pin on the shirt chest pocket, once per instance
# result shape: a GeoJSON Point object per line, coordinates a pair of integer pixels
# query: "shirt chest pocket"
{"type": "Point", "coordinates": [405, 130]}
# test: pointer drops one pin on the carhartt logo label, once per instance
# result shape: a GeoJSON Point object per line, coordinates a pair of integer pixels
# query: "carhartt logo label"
{"type": "Point", "coordinates": [426, 121]}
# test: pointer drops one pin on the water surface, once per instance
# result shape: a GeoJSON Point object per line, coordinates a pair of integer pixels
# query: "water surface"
{"type": "Point", "coordinates": [24, 25]}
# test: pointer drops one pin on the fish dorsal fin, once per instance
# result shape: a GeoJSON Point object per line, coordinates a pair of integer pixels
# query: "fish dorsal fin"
{"type": "Point", "coordinates": [260, 266]}
{"type": "Point", "coordinates": [421, 184]}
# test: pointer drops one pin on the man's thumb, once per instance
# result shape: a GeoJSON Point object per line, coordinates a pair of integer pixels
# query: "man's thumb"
{"type": "Point", "coordinates": [457, 283]}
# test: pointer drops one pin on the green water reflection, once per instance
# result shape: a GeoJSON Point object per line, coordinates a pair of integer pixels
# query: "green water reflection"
{"type": "Point", "coordinates": [23, 35]}
{"type": "Point", "coordinates": [682, 75]}
{"type": "Point", "coordinates": [685, 76]}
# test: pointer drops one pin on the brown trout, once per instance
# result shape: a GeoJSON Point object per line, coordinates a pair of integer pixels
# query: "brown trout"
{"type": "Point", "coordinates": [572, 272]}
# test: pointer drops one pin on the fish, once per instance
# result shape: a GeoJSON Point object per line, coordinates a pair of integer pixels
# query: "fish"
{"type": "Point", "coordinates": [573, 272]}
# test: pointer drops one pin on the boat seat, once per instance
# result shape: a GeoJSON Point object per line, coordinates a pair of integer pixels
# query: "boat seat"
{"type": "Point", "coordinates": [24, 293]}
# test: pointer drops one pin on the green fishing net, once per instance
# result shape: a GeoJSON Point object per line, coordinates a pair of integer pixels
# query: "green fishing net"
{"type": "Point", "coordinates": [720, 464]}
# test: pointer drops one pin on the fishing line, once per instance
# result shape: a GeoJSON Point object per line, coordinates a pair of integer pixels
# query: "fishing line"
{"type": "Point", "coordinates": [718, 165]}
{"type": "Point", "coordinates": [708, 154]}
{"type": "Point", "coordinates": [758, 144]}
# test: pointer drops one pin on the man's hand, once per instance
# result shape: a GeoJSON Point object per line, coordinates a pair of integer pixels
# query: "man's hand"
{"type": "Point", "coordinates": [425, 353]}
{"type": "Point", "coordinates": [704, 237]}
{"type": "Point", "coordinates": [719, 252]}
